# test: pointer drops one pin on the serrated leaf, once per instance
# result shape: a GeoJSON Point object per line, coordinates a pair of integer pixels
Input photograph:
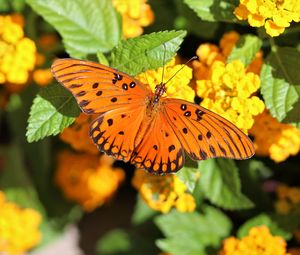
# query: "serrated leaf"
{"type": "Point", "coordinates": [245, 49]}
{"type": "Point", "coordinates": [221, 184]}
{"type": "Point", "coordinates": [53, 109]}
{"type": "Point", "coordinates": [278, 94]}
{"type": "Point", "coordinates": [85, 26]}
{"type": "Point", "coordinates": [285, 62]}
{"type": "Point", "coordinates": [262, 219]}
{"type": "Point", "coordinates": [146, 52]}
{"type": "Point", "coordinates": [214, 10]}
{"type": "Point", "coordinates": [197, 231]}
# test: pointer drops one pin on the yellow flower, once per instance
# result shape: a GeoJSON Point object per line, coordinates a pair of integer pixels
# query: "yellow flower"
{"type": "Point", "coordinates": [18, 228]}
{"type": "Point", "coordinates": [274, 15]}
{"type": "Point", "coordinates": [275, 139]}
{"type": "Point", "coordinates": [209, 53]}
{"type": "Point", "coordinates": [178, 87]}
{"type": "Point", "coordinates": [136, 14]}
{"type": "Point", "coordinates": [42, 77]}
{"type": "Point", "coordinates": [77, 135]}
{"type": "Point", "coordinates": [17, 53]}
{"type": "Point", "coordinates": [228, 92]}
{"type": "Point", "coordinates": [87, 179]}
{"type": "Point", "coordinates": [259, 241]}
{"type": "Point", "coordinates": [162, 193]}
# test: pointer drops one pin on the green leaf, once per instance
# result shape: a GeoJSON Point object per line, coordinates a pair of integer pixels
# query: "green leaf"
{"type": "Point", "coordinates": [189, 21]}
{"type": "Point", "coordinates": [189, 174]}
{"type": "Point", "coordinates": [214, 10]}
{"type": "Point", "coordinates": [14, 180]}
{"type": "Point", "coordinates": [221, 184]}
{"type": "Point", "coordinates": [53, 109]}
{"type": "Point", "coordinates": [115, 241]}
{"type": "Point", "coordinates": [262, 219]}
{"type": "Point", "coordinates": [278, 94]}
{"type": "Point", "coordinates": [142, 212]}
{"type": "Point", "coordinates": [245, 49]}
{"type": "Point", "coordinates": [85, 26]}
{"type": "Point", "coordinates": [191, 233]}
{"type": "Point", "coordinates": [126, 242]}
{"type": "Point", "coordinates": [102, 59]}
{"type": "Point", "coordinates": [146, 52]}
{"type": "Point", "coordinates": [280, 79]}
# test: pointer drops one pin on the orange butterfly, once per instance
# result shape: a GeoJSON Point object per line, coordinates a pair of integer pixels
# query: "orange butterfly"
{"type": "Point", "coordinates": [145, 128]}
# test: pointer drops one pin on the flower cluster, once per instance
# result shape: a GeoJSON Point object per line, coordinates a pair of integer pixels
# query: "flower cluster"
{"type": "Point", "coordinates": [77, 135]}
{"type": "Point", "coordinates": [275, 139]}
{"type": "Point", "coordinates": [228, 92]}
{"type": "Point", "coordinates": [161, 193]}
{"type": "Point", "coordinates": [136, 14]}
{"type": "Point", "coordinates": [227, 89]}
{"type": "Point", "coordinates": [259, 241]}
{"type": "Point", "coordinates": [87, 179]}
{"type": "Point", "coordinates": [17, 53]}
{"type": "Point", "coordinates": [274, 15]}
{"type": "Point", "coordinates": [18, 228]}
{"type": "Point", "coordinates": [178, 87]}
{"type": "Point", "coordinates": [288, 198]}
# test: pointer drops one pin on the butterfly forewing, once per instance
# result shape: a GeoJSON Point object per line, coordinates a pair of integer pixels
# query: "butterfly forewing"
{"type": "Point", "coordinates": [204, 134]}
{"type": "Point", "coordinates": [98, 88]}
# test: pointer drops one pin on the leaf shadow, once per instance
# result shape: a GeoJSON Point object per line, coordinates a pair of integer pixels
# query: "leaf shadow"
{"type": "Point", "coordinates": [61, 99]}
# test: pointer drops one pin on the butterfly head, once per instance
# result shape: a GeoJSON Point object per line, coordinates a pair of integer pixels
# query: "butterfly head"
{"type": "Point", "coordinates": [160, 89]}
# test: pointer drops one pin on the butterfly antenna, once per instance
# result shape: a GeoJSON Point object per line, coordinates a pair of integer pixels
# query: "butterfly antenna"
{"type": "Point", "coordinates": [191, 59]}
{"type": "Point", "coordinates": [164, 58]}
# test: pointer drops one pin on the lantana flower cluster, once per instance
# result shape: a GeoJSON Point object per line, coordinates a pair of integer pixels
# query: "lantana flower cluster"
{"type": "Point", "coordinates": [17, 53]}
{"type": "Point", "coordinates": [178, 87]}
{"type": "Point", "coordinates": [228, 88]}
{"type": "Point", "coordinates": [162, 193]}
{"type": "Point", "coordinates": [19, 228]}
{"type": "Point", "coordinates": [275, 139]}
{"type": "Point", "coordinates": [258, 241]}
{"type": "Point", "coordinates": [288, 199]}
{"type": "Point", "coordinates": [136, 14]}
{"type": "Point", "coordinates": [87, 179]}
{"type": "Point", "coordinates": [274, 15]}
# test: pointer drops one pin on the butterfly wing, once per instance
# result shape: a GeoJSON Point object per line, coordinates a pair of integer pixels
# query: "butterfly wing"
{"type": "Point", "coordinates": [204, 134]}
{"type": "Point", "coordinates": [115, 131]}
{"type": "Point", "coordinates": [119, 98]}
{"type": "Point", "coordinates": [98, 88]}
{"type": "Point", "coordinates": [159, 150]}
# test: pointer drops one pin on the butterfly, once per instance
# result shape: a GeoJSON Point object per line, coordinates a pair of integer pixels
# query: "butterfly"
{"type": "Point", "coordinates": [143, 127]}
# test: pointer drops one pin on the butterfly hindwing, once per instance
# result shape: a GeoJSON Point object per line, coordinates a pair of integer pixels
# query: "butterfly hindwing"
{"type": "Point", "coordinates": [204, 134]}
{"type": "Point", "coordinates": [115, 131]}
{"type": "Point", "coordinates": [160, 150]}
{"type": "Point", "coordinates": [98, 88]}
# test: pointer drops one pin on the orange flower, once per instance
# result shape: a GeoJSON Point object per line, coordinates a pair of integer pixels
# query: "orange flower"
{"type": "Point", "coordinates": [275, 139]}
{"type": "Point", "coordinates": [87, 179]}
{"type": "Point", "coordinates": [77, 135]}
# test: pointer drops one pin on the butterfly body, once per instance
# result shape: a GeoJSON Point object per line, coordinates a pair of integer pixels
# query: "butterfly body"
{"type": "Point", "coordinates": [145, 128]}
